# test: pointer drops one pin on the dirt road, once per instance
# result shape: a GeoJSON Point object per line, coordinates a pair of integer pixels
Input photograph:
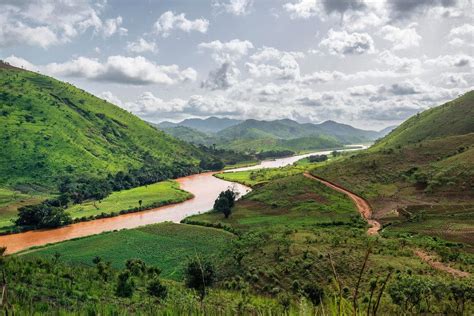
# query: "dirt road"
{"type": "Point", "coordinates": [362, 205]}
{"type": "Point", "coordinates": [435, 264]}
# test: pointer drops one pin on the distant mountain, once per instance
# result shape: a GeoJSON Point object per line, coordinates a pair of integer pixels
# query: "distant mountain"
{"type": "Point", "coordinates": [50, 129]}
{"type": "Point", "coordinates": [387, 130]}
{"type": "Point", "coordinates": [255, 136]}
{"type": "Point", "coordinates": [289, 129]}
{"type": "Point", "coordinates": [210, 125]}
{"type": "Point", "coordinates": [189, 135]}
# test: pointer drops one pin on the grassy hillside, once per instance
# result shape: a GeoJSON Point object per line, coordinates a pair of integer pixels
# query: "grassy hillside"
{"type": "Point", "coordinates": [424, 164]}
{"type": "Point", "coordinates": [50, 129]}
{"type": "Point", "coordinates": [453, 118]}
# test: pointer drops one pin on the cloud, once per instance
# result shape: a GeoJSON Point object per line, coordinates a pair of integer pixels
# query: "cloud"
{"type": "Point", "coordinates": [141, 46]}
{"type": "Point", "coordinates": [273, 63]}
{"type": "Point", "coordinates": [110, 97]}
{"type": "Point", "coordinates": [400, 64]}
{"type": "Point", "coordinates": [148, 105]}
{"type": "Point", "coordinates": [118, 69]}
{"type": "Point", "coordinates": [462, 36]}
{"type": "Point", "coordinates": [19, 33]}
{"type": "Point", "coordinates": [405, 88]}
{"type": "Point", "coordinates": [343, 43]}
{"type": "Point", "coordinates": [459, 60]}
{"type": "Point", "coordinates": [235, 7]}
{"type": "Point", "coordinates": [401, 38]}
{"type": "Point", "coordinates": [45, 23]}
{"type": "Point", "coordinates": [111, 27]}
{"type": "Point", "coordinates": [223, 52]}
{"type": "Point", "coordinates": [170, 21]}
{"type": "Point", "coordinates": [308, 8]}
{"type": "Point", "coordinates": [20, 63]}
{"type": "Point", "coordinates": [222, 78]}
{"type": "Point", "coordinates": [402, 9]}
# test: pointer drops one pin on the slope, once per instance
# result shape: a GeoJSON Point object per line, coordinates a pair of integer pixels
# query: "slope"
{"type": "Point", "coordinates": [420, 177]}
{"type": "Point", "coordinates": [50, 129]}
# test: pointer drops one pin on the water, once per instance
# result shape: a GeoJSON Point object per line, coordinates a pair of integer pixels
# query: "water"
{"type": "Point", "coordinates": [205, 188]}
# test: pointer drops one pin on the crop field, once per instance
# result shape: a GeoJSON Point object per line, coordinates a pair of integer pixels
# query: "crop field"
{"type": "Point", "coordinates": [166, 245]}
{"type": "Point", "coordinates": [10, 201]}
{"type": "Point", "coordinates": [152, 195]}
{"type": "Point", "coordinates": [450, 222]}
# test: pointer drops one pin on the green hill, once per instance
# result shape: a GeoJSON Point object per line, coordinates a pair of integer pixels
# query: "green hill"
{"type": "Point", "coordinates": [50, 129]}
{"type": "Point", "coordinates": [422, 170]}
{"type": "Point", "coordinates": [453, 118]}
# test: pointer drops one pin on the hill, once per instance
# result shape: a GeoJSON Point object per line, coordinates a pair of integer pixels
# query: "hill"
{"type": "Point", "coordinates": [209, 125]}
{"type": "Point", "coordinates": [422, 171]}
{"type": "Point", "coordinates": [278, 135]}
{"type": "Point", "coordinates": [289, 129]}
{"type": "Point", "coordinates": [50, 129]}
{"type": "Point", "coordinates": [453, 118]}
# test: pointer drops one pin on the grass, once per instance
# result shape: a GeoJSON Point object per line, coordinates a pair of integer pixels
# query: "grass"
{"type": "Point", "coordinates": [152, 195]}
{"type": "Point", "coordinates": [11, 200]}
{"type": "Point", "coordinates": [290, 200]}
{"type": "Point", "coordinates": [51, 129]}
{"type": "Point", "coordinates": [261, 176]}
{"type": "Point", "coordinates": [165, 245]}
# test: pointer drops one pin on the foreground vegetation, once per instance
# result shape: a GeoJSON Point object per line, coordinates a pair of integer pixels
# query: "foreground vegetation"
{"type": "Point", "coordinates": [166, 246]}
{"type": "Point", "coordinates": [419, 178]}
{"type": "Point", "coordinates": [292, 245]}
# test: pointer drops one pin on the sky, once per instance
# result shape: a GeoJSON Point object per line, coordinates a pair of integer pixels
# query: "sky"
{"type": "Point", "coordinates": [371, 64]}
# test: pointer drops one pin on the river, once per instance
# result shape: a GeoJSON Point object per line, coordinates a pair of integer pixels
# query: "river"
{"type": "Point", "coordinates": [205, 188]}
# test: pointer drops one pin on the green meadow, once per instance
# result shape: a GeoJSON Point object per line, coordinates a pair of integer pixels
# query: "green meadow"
{"type": "Point", "coordinates": [153, 195]}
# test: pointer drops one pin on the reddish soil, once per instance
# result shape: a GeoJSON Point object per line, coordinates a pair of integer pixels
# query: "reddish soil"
{"type": "Point", "coordinates": [362, 205]}
{"type": "Point", "coordinates": [431, 260]}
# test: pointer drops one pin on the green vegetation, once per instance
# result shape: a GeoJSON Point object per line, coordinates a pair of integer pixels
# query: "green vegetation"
{"type": "Point", "coordinates": [423, 166]}
{"type": "Point", "coordinates": [11, 200]}
{"type": "Point", "coordinates": [50, 128]}
{"type": "Point", "coordinates": [166, 246]}
{"type": "Point", "coordinates": [151, 196]}
{"type": "Point", "coordinates": [252, 136]}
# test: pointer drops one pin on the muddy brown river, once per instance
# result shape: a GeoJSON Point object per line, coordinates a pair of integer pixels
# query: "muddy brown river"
{"type": "Point", "coordinates": [205, 188]}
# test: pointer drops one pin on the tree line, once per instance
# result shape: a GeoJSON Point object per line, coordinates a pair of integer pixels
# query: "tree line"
{"type": "Point", "coordinates": [73, 190]}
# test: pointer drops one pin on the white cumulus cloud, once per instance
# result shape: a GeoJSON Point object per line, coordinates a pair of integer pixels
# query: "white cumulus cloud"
{"type": "Point", "coordinates": [170, 21]}
{"type": "Point", "coordinates": [343, 43]}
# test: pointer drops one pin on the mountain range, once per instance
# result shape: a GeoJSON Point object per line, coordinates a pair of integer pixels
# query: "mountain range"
{"type": "Point", "coordinates": [255, 135]}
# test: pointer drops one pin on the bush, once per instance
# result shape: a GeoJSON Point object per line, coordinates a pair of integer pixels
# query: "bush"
{"type": "Point", "coordinates": [199, 274]}
{"type": "Point", "coordinates": [156, 289]}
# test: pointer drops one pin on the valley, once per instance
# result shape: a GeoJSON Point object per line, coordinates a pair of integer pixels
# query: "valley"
{"type": "Point", "coordinates": [116, 216]}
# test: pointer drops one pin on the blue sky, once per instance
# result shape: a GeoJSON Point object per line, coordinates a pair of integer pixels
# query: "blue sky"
{"type": "Point", "coordinates": [369, 64]}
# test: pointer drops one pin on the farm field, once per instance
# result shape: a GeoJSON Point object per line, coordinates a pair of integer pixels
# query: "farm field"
{"type": "Point", "coordinates": [153, 195]}
{"type": "Point", "coordinates": [167, 246]}
{"type": "Point", "coordinates": [10, 201]}
{"type": "Point", "coordinates": [450, 222]}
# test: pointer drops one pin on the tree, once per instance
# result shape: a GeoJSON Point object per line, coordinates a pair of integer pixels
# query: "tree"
{"type": "Point", "coordinates": [156, 289]}
{"type": "Point", "coordinates": [225, 201]}
{"type": "Point", "coordinates": [125, 285]}
{"type": "Point", "coordinates": [199, 274]}
{"type": "Point", "coordinates": [42, 216]}
{"type": "Point", "coordinates": [314, 293]}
